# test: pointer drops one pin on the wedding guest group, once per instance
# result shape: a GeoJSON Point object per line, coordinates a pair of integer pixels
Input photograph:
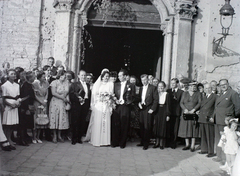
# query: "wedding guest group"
{"type": "Point", "coordinates": [53, 104]}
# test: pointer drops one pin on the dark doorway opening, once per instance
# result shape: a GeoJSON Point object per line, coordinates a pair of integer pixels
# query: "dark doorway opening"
{"type": "Point", "coordinates": [136, 50]}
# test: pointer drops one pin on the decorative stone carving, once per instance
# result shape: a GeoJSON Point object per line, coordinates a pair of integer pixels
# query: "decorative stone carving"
{"type": "Point", "coordinates": [186, 9]}
{"type": "Point", "coordinates": [164, 29]}
{"type": "Point", "coordinates": [63, 5]}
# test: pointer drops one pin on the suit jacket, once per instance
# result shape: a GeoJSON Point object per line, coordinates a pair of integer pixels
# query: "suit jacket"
{"type": "Point", "coordinates": [128, 93]}
{"type": "Point", "coordinates": [54, 71]}
{"type": "Point", "coordinates": [228, 103]}
{"type": "Point", "coordinates": [207, 108]}
{"type": "Point", "coordinates": [175, 99]}
{"type": "Point", "coordinates": [76, 90]}
{"type": "Point", "coordinates": [151, 98]}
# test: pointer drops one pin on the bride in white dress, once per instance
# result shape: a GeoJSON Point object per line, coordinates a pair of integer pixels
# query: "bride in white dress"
{"type": "Point", "coordinates": [99, 129]}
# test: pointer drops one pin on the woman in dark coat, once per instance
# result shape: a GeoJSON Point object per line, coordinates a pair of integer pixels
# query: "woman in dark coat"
{"type": "Point", "coordinates": [162, 116]}
{"type": "Point", "coordinates": [189, 103]}
{"type": "Point", "coordinates": [26, 110]}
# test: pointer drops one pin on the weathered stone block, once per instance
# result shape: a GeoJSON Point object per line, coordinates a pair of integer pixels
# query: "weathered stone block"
{"type": "Point", "coordinates": [15, 4]}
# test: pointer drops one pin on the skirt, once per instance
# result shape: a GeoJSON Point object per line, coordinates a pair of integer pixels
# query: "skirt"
{"type": "Point", "coordinates": [188, 129]}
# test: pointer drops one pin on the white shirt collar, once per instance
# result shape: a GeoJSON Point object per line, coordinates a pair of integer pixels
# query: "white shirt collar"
{"type": "Point", "coordinates": [123, 82]}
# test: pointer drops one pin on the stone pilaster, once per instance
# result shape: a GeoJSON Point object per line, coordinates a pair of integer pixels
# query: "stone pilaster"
{"type": "Point", "coordinates": [167, 53]}
{"type": "Point", "coordinates": [186, 9]}
{"type": "Point", "coordinates": [62, 31]}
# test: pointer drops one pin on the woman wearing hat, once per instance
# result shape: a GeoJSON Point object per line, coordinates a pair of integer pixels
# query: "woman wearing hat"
{"type": "Point", "coordinates": [189, 103]}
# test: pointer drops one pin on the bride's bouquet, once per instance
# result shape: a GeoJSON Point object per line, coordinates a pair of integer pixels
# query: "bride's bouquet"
{"type": "Point", "coordinates": [108, 98]}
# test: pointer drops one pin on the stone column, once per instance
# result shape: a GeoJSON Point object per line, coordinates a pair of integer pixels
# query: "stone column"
{"type": "Point", "coordinates": [80, 20]}
{"type": "Point", "coordinates": [167, 52]}
{"type": "Point", "coordinates": [62, 32]}
{"type": "Point", "coordinates": [186, 9]}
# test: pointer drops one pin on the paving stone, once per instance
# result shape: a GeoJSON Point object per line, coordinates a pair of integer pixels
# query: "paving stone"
{"type": "Point", "coordinates": [66, 159]}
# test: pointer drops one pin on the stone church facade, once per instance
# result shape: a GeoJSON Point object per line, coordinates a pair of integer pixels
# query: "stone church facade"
{"type": "Point", "coordinates": [33, 30]}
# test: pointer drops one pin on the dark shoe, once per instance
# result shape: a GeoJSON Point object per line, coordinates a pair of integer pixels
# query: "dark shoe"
{"type": "Point", "coordinates": [12, 147]}
{"type": "Point", "coordinates": [74, 142]}
{"type": "Point", "coordinates": [113, 146]}
{"type": "Point", "coordinates": [122, 147]}
{"type": "Point", "coordinates": [6, 148]}
{"type": "Point", "coordinates": [140, 145]}
{"type": "Point", "coordinates": [211, 155]}
{"type": "Point", "coordinates": [192, 149]}
{"type": "Point", "coordinates": [145, 148]}
{"type": "Point", "coordinates": [173, 146]}
{"type": "Point", "coordinates": [217, 159]}
{"type": "Point", "coordinates": [80, 141]}
{"type": "Point", "coordinates": [23, 143]}
{"type": "Point", "coordinates": [202, 152]}
{"type": "Point", "coordinates": [161, 147]}
{"type": "Point", "coordinates": [186, 148]}
{"type": "Point", "coordinates": [49, 139]}
{"type": "Point", "coordinates": [156, 146]}
{"type": "Point", "coordinates": [198, 147]}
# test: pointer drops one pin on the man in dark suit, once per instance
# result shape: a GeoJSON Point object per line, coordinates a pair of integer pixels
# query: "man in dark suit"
{"type": "Point", "coordinates": [125, 93]}
{"type": "Point", "coordinates": [227, 103]}
{"type": "Point", "coordinates": [206, 121]}
{"type": "Point", "coordinates": [175, 97]}
{"type": "Point", "coordinates": [79, 94]}
{"type": "Point", "coordinates": [53, 69]}
{"type": "Point", "coordinates": [148, 104]}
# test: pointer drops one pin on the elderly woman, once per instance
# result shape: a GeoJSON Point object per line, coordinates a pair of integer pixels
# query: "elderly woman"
{"type": "Point", "coordinates": [57, 109]}
{"type": "Point", "coordinates": [161, 116]}
{"type": "Point", "coordinates": [41, 94]}
{"type": "Point", "coordinates": [189, 103]}
{"type": "Point", "coordinates": [11, 100]}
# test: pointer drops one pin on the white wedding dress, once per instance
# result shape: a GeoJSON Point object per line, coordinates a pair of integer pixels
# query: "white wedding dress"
{"type": "Point", "coordinates": [99, 129]}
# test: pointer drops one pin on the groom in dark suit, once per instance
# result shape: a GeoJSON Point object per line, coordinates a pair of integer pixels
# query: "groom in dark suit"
{"type": "Point", "coordinates": [175, 96]}
{"type": "Point", "coordinates": [79, 94]}
{"type": "Point", "coordinates": [148, 104]}
{"type": "Point", "coordinates": [125, 93]}
{"type": "Point", "coordinates": [206, 121]}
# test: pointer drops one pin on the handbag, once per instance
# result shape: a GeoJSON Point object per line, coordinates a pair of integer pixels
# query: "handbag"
{"type": "Point", "coordinates": [187, 116]}
{"type": "Point", "coordinates": [42, 118]}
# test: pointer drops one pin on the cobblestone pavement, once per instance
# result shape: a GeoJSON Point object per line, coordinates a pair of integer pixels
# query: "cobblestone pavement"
{"type": "Point", "coordinates": [85, 160]}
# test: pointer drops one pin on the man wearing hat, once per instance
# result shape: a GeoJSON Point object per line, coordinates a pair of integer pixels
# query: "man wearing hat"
{"type": "Point", "coordinates": [227, 103]}
{"type": "Point", "coordinates": [184, 84]}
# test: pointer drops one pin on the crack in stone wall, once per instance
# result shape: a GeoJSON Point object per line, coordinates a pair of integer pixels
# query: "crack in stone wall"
{"type": "Point", "coordinates": [221, 66]}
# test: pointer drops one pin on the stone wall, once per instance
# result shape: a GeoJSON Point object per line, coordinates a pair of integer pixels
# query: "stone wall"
{"type": "Point", "coordinates": [47, 32]}
{"type": "Point", "coordinates": [207, 25]}
{"type": "Point", "coordinates": [27, 37]}
{"type": "Point", "coordinates": [19, 32]}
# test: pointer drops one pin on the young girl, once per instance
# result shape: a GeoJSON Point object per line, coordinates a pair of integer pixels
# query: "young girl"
{"type": "Point", "coordinates": [231, 146]}
{"type": "Point", "coordinates": [236, 168]}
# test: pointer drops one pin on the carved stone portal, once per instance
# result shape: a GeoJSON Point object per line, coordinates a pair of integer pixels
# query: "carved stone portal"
{"type": "Point", "coordinates": [175, 22]}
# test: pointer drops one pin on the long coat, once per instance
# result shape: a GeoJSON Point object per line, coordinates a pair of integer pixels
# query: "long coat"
{"type": "Point", "coordinates": [207, 108]}
{"type": "Point", "coordinates": [228, 103]}
{"type": "Point", "coordinates": [175, 99]}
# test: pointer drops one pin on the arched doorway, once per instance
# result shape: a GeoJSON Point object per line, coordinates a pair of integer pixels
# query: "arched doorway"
{"type": "Point", "coordinates": [129, 37]}
{"type": "Point", "coordinates": [176, 26]}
